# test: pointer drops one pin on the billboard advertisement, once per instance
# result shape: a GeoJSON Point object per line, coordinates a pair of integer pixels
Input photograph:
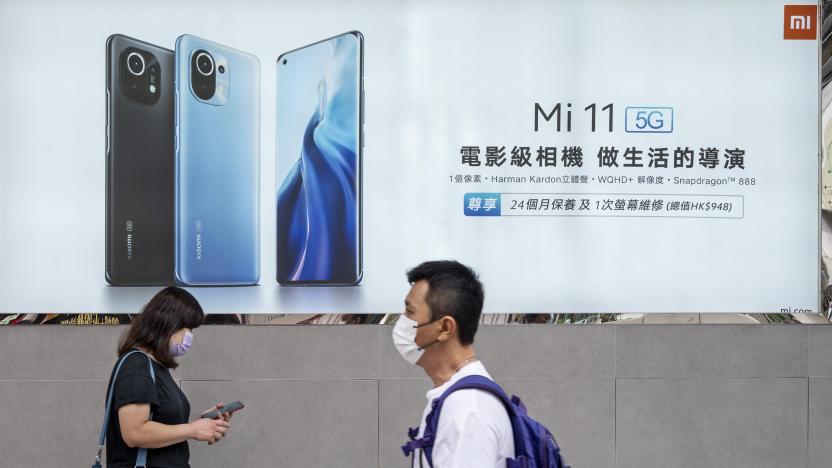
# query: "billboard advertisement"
{"type": "Point", "coordinates": [298, 157]}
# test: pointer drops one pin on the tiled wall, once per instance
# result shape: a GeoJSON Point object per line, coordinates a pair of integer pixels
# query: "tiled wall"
{"type": "Point", "coordinates": [635, 396]}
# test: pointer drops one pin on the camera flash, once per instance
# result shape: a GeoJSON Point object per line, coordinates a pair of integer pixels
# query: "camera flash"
{"type": "Point", "coordinates": [152, 88]}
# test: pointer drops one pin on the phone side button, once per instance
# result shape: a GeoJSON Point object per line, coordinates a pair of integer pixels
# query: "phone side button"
{"type": "Point", "coordinates": [176, 119]}
{"type": "Point", "coordinates": [107, 123]}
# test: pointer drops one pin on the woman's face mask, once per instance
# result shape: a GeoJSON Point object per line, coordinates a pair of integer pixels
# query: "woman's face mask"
{"type": "Point", "coordinates": [179, 349]}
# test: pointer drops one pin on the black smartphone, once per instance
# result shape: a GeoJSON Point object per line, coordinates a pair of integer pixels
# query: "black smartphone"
{"type": "Point", "coordinates": [229, 408]}
{"type": "Point", "coordinates": [139, 146]}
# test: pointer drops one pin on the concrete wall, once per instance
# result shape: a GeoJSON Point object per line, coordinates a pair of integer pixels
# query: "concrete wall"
{"type": "Point", "coordinates": [635, 396]}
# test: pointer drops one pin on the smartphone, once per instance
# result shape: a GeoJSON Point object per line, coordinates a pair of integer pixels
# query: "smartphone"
{"type": "Point", "coordinates": [139, 138]}
{"type": "Point", "coordinates": [320, 139]}
{"type": "Point", "coordinates": [217, 183]}
{"type": "Point", "coordinates": [230, 408]}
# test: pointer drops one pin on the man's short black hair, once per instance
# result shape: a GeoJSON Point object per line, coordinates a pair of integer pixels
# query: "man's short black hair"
{"type": "Point", "coordinates": [453, 289]}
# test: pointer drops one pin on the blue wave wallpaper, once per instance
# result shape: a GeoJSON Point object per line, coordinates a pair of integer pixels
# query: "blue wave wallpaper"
{"type": "Point", "coordinates": [317, 199]}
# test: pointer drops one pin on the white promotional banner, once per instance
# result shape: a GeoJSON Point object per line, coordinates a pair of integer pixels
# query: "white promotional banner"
{"type": "Point", "coordinates": [300, 156]}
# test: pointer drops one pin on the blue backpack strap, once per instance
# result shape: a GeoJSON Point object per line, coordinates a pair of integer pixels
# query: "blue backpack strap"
{"type": "Point", "coordinates": [516, 411]}
{"type": "Point", "coordinates": [525, 452]}
{"type": "Point", "coordinates": [477, 382]}
{"type": "Point", "coordinates": [141, 456]}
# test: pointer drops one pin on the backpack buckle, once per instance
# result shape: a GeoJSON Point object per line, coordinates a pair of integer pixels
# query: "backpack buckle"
{"type": "Point", "coordinates": [411, 446]}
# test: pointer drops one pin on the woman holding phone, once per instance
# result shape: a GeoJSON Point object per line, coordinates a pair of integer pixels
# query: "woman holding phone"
{"type": "Point", "coordinates": [148, 413]}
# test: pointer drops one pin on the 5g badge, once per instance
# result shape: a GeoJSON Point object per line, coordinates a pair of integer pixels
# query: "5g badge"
{"type": "Point", "coordinates": [648, 120]}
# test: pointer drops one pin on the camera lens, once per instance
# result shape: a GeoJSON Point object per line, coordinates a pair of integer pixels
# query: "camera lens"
{"type": "Point", "coordinates": [221, 69]}
{"type": "Point", "coordinates": [205, 64]}
{"type": "Point", "coordinates": [135, 63]}
{"type": "Point", "coordinates": [284, 61]}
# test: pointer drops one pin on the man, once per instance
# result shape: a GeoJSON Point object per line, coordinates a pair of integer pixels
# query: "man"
{"type": "Point", "coordinates": [436, 333]}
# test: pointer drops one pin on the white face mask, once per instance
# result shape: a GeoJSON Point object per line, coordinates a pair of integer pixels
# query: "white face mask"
{"type": "Point", "coordinates": [404, 338]}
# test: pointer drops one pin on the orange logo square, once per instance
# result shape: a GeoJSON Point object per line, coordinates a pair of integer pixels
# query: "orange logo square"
{"type": "Point", "coordinates": [800, 22]}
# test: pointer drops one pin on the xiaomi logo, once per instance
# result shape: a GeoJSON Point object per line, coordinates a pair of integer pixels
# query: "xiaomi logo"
{"type": "Point", "coordinates": [198, 240]}
{"type": "Point", "coordinates": [129, 228]}
{"type": "Point", "coordinates": [800, 22]}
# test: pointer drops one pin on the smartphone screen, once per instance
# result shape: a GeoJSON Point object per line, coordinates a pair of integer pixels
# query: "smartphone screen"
{"type": "Point", "coordinates": [319, 113]}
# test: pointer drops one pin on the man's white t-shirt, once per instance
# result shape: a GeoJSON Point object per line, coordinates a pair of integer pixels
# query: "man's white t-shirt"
{"type": "Point", "coordinates": [474, 430]}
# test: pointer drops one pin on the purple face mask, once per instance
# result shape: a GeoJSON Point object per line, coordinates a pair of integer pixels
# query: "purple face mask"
{"type": "Point", "coordinates": [179, 349]}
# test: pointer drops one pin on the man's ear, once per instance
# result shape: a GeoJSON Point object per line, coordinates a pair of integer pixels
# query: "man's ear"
{"type": "Point", "coordinates": [447, 328]}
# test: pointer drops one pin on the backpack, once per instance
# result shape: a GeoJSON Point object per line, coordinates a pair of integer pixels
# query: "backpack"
{"type": "Point", "coordinates": [534, 446]}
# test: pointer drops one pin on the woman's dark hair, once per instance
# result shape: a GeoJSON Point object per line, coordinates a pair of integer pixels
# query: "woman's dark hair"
{"type": "Point", "coordinates": [170, 310]}
{"type": "Point", "coordinates": [453, 289]}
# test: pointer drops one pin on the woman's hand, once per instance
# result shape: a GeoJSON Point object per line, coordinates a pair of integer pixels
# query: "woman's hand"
{"type": "Point", "coordinates": [209, 430]}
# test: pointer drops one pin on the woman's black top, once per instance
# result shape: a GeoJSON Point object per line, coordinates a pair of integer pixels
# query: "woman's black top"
{"type": "Point", "coordinates": [168, 405]}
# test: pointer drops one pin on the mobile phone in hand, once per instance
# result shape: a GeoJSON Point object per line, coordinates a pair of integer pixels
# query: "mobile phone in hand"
{"type": "Point", "coordinates": [229, 408]}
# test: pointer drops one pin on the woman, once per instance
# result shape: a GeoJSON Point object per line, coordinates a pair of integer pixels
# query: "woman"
{"type": "Point", "coordinates": [154, 415]}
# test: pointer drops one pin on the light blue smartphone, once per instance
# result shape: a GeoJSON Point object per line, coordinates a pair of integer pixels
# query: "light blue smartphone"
{"type": "Point", "coordinates": [217, 164]}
